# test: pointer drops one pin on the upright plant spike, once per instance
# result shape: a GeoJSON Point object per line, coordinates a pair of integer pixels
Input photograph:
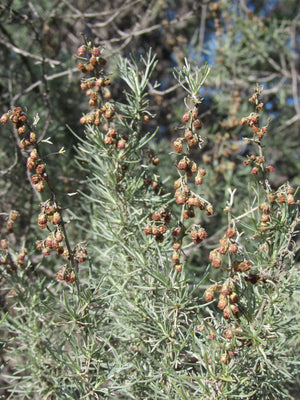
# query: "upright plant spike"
{"type": "Point", "coordinates": [50, 216]}
{"type": "Point", "coordinates": [137, 80]}
{"type": "Point", "coordinates": [188, 199]}
{"type": "Point", "coordinates": [192, 80]}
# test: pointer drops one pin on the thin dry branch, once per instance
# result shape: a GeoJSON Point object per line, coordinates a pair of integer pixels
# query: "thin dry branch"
{"type": "Point", "coordinates": [69, 72]}
{"type": "Point", "coordinates": [30, 55]}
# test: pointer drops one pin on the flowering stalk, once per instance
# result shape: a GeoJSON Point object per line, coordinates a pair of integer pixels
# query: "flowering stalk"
{"type": "Point", "coordinates": [185, 196]}
{"type": "Point", "coordinates": [233, 258]}
{"type": "Point", "coordinates": [50, 216]}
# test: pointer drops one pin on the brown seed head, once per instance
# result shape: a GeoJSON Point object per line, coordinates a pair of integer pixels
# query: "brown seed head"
{"type": "Point", "coordinates": [186, 117]}
{"type": "Point", "coordinates": [197, 124]}
{"type": "Point", "coordinates": [4, 118]}
{"type": "Point", "coordinates": [230, 232]}
{"type": "Point", "coordinates": [209, 294]}
{"type": "Point", "coordinates": [56, 218]}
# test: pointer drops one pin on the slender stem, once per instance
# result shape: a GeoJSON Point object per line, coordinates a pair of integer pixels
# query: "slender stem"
{"type": "Point", "coordinates": [245, 214]}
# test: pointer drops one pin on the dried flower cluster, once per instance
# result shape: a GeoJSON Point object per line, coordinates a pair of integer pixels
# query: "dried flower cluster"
{"type": "Point", "coordinates": [9, 260]}
{"type": "Point", "coordinates": [259, 166]}
{"type": "Point", "coordinates": [95, 84]}
{"type": "Point", "coordinates": [227, 244]}
{"type": "Point", "coordinates": [229, 255]}
{"type": "Point", "coordinates": [50, 216]}
{"type": "Point", "coordinates": [188, 199]}
{"type": "Point", "coordinates": [187, 169]}
{"type": "Point", "coordinates": [257, 162]}
{"type": "Point", "coordinates": [12, 217]}
{"type": "Point", "coordinates": [158, 227]}
{"type": "Point", "coordinates": [29, 139]}
{"type": "Point", "coordinates": [104, 114]}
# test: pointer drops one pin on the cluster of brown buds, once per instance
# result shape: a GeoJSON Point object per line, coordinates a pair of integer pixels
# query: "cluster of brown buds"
{"type": "Point", "coordinates": [190, 168]}
{"type": "Point", "coordinates": [21, 257]}
{"type": "Point", "coordinates": [190, 200]}
{"type": "Point", "coordinates": [66, 274]}
{"type": "Point", "coordinates": [158, 226]}
{"type": "Point", "coordinates": [91, 58]}
{"type": "Point", "coordinates": [5, 256]}
{"type": "Point", "coordinates": [257, 163]}
{"type": "Point", "coordinates": [50, 211]}
{"type": "Point", "coordinates": [187, 168]}
{"type": "Point", "coordinates": [34, 162]}
{"type": "Point", "coordinates": [184, 196]}
{"type": "Point", "coordinates": [241, 266]}
{"type": "Point", "coordinates": [197, 234]}
{"type": "Point", "coordinates": [114, 139]}
{"type": "Point", "coordinates": [265, 208]}
{"type": "Point", "coordinates": [51, 214]}
{"type": "Point", "coordinates": [19, 119]}
{"type": "Point", "coordinates": [227, 244]}
{"type": "Point", "coordinates": [227, 300]}
{"type": "Point", "coordinates": [80, 252]}
{"type": "Point", "coordinates": [191, 136]}
{"type": "Point", "coordinates": [8, 260]}
{"type": "Point", "coordinates": [284, 194]}
{"type": "Point", "coordinates": [94, 117]}
{"type": "Point", "coordinates": [39, 178]}
{"type": "Point", "coordinates": [234, 331]}
{"type": "Point", "coordinates": [95, 84]}
{"type": "Point", "coordinates": [12, 217]}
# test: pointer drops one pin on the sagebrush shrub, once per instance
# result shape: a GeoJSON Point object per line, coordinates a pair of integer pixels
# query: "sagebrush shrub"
{"type": "Point", "coordinates": [123, 313]}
